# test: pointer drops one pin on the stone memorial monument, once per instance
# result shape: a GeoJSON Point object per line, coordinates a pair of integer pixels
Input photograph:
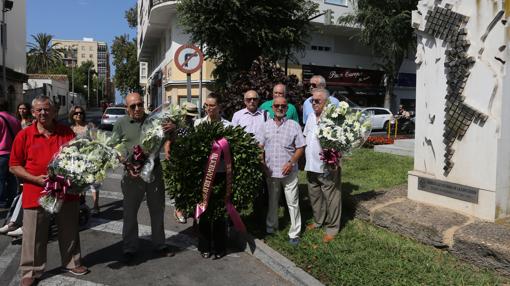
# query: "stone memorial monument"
{"type": "Point", "coordinates": [462, 145]}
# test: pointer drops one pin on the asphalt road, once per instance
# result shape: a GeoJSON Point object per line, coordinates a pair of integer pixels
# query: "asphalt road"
{"type": "Point", "coordinates": [101, 245]}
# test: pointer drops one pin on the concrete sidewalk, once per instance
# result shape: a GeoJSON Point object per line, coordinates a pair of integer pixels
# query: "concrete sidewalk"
{"type": "Point", "coordinates": [481, 243]}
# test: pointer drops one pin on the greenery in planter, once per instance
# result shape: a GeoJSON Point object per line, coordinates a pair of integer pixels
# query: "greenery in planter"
{"type": "Point", "coordinates": [189, 154]}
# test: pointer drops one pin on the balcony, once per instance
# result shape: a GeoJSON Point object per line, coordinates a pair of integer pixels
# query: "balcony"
{"type": "Point", "coordinates": [159, 18]}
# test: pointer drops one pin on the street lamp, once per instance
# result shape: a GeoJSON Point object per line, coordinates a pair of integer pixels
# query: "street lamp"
{"type": "Point", "coordinates": [72, 66]}
{"type": "Point", "coordinates": [88, 84]}
{"type": "Point", "coordinates": [7, 6]}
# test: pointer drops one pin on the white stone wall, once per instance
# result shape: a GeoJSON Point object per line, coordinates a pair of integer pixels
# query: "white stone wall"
{"type": "Point", "coordinates": [482, 156]}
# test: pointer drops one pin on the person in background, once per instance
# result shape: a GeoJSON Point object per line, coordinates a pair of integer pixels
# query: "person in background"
{"type": "Point", "coordinates": [24, 114]}
{"type": "Point", "coordinates": [33, 149]}
{"type": "Point", "coordinates": [283, 143]}
{"type": "Point", "coordinates": [191, 115]}
{"type": "Point", "coordinates": [9, 127]}
{"type": "Point", "coordinates": [14, 221]}
{"type": "Point", "coordinates": [82, 129]}
{"type": "Point", "coordinates": [317, 81]}
{"type": "Point", "coordinates": [279, 90]}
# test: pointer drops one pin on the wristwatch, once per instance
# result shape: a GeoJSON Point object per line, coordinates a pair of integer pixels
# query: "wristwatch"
{"type": "Point", "coordinates": [292, 163]}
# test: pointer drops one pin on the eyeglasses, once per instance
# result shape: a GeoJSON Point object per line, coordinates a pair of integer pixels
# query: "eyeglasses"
{"type": "Point", "coordinates": [134, 106]}
{"type": "Point", "coordinates": [251, 99]}
{"type": "Point", "coordinates": [209, 105]}
{"type": "Point", "coordinates": [316, 101]}
{"type": "Point", "coordinates": [78, 113]}
{"type": "Point", "coordinates": [280, 106]}
{"type": "Point", "coordinates": [313, 85]}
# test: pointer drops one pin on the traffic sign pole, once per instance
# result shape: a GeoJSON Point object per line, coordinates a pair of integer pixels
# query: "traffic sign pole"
{"type": "Point", "coordinates": [188, 85]}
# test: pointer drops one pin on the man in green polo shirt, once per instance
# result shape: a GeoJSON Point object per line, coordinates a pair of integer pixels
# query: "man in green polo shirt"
{"type": "Point", "coordinates": [280, 90]}
{"type": "Point", "coordinates": [134, 188]}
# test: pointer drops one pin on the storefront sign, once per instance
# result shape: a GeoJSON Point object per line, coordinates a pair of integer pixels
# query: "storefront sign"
{"type": "Point", "coordinates": [345, 76]}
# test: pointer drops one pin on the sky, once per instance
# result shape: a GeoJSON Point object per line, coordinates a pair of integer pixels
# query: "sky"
{"type": "Point", "coordinates": [76, 19]}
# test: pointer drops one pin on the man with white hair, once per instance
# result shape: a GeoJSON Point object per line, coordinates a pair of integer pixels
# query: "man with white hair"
{"type": "Point", "coordinates": [324, 189]}
{"type": "Point", "coordinates": [317, 81]}
{"type": "Point", "coordinates": [250, 118]}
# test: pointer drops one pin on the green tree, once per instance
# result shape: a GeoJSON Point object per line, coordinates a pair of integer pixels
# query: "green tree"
{"type": "Point", "coordinates": [42, 54]}
{"type": "Point", "coordinates": [131, 16]}
{"type": "Point", "coordinates": [124, 53]}
{"type": "Point", "coordinates": [385, 27]}
{"type": "Point", "coordinates": [237, 32]}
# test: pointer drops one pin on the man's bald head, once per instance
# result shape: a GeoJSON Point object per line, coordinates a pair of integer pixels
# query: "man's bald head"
{"type": "Point", "coordinates": [134, 104]}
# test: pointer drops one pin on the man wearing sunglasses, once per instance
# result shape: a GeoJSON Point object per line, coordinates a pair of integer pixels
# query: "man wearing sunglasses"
{"type": "Point", "coordinates": [323, 185]}
{"type": "Point", "coordinates": [279, 90]}
{"type": "Point", "coordinates": [250, 118]}
{"type": "Point", "coordinates": [128, 129]}
{"type": "Point", "coordinates": [283, 143]}
{"type": "Point", "coordinates": [317, 81]}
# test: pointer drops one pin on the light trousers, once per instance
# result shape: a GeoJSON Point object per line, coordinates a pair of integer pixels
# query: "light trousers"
{"type": "Point", "coordinates": [290, 188]}
{"type": "Point", "coordinates": [324, 191]}
{"type": "Point", "coordinates": [134, 190]}
{"type": "Point", "coordinates": [35, 239]}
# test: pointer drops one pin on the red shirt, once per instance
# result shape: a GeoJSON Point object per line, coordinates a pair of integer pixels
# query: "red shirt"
{"type": "Point", "coordinates": [34, 151]}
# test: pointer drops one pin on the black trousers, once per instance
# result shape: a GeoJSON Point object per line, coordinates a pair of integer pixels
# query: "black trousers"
{"type": "Point", "coordinates": [213, 235]}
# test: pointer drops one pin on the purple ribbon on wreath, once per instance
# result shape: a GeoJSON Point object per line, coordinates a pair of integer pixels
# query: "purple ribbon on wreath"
{"type": "Point", "coordinates": [330, 156]}
{"type": "Point", "coordinates": [56, 186]}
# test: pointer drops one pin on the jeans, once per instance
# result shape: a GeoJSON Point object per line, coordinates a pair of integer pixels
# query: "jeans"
{"type": "Point", "coordinates": [8, 183]}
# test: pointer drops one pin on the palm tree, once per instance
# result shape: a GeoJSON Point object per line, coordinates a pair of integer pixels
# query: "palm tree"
{"type": "Point", "coordinates": [385, 27]}
{"type": "Point", "coordinates": [42, 54]}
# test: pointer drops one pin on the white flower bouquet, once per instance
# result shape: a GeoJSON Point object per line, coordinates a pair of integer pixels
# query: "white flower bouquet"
{"type": "Point", "coordinates": [153, 135]}
{"type": "Point", "coordinates": [340, 130]}
{"type": "Point", "coordinates": [78, 165]}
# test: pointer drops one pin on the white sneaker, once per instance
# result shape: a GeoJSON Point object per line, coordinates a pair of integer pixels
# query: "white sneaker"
{"type": "Point", "coordinates": [16, 232]}
{"type": "Point", "coordinates": [7, 228]}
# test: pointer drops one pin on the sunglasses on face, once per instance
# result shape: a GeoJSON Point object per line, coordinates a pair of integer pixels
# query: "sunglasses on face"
{"type": "Point", "coordinates": [313, 85]}
{"type": "Point", "coordinates": [134, 106]}
{"type": "Point", "coordinates": [280, 106]}
{"type": "Point", "coordinates": [209, 105]}
{"type": "Point", "coordinates": [251, 99]}
{"type": "Point", "coordinates": [316, 101]}
{"type": "Point", "coordinates": [78, 113]}
{"type": "Point", "coordinates": [22, 108]}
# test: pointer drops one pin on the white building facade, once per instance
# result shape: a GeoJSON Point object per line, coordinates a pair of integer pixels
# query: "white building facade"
{"type": "Point", "coordinates": [54, 86]}
{"type": "Point", "coordinates": [15, 58]}
{"type": "Point", "coordinates": [349, 68]}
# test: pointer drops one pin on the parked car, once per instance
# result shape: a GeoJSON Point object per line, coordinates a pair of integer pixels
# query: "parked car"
{"type": "Point", "coordinates": [110, 116]}
{"type": "Point", "coordinates": [380, 117]}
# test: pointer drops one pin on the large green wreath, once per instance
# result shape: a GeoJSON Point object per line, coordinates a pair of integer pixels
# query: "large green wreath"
{"type": "Point", "coordinates": [189, 153]}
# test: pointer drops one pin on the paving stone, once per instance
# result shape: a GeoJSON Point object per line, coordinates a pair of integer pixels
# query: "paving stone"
{"type": "Point", "coordinates": [363, 203]}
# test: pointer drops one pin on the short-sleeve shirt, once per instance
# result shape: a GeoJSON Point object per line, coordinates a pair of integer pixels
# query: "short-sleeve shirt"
{"type": "Point", "coordinates": [206, 119]}
{"type": "Point", "coordinates": [313, 146]}
{"type": "Point", "coordinates": [6, 138]}
{"type": "Point", "coordinates": [308, 109]}
{"type": "Point", "coordinates": [250, 121]}
{"type": "Point", "coordinates": [280, 144]}
{"type": "Point", "coordinates": [128, 130]}
{"type": "Point", "coordinates": [291, 110]}
{"type": "Point", "coordinates": [34, 151]}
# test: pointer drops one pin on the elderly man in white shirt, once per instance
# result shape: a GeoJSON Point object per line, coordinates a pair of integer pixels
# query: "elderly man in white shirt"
{"type": "Point", "coordinates": [250, 118]}
{"type": "Point", "coordinates": [324, 189]}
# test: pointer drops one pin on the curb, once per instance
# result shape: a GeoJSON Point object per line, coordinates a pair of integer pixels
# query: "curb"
{"type": "Point", "coordinates": [282, 266]}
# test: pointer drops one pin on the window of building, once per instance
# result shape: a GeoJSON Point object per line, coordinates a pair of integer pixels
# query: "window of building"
{"type": "Point", "coordinates": [82, 48]}
{"type": "Point", "coordinates": [336, 2]}
{"type": "Point", "coordinates": [321, 48]}
{"type": "Point", "coordinates": [91, 55]}
{"type": "Point", "coordinates": [90, 48]}
{"type": "Point", "coordinates": [82, 56]}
